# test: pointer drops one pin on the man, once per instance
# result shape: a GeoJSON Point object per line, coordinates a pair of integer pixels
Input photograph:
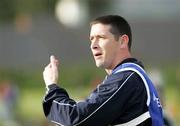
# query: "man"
{"type": "Point", "coordinates": [126, 97]}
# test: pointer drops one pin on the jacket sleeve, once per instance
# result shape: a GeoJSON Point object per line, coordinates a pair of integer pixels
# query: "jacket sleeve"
{"type": "Point", "coordinates": [103, 105]}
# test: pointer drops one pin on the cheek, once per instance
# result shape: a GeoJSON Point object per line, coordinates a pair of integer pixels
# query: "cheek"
{"type": "Point", "coordinates": [110, 52]}
{"type": "Point", "coordinates": [109, 55]}
{"type": "Point", "coordinates": [109, 48]}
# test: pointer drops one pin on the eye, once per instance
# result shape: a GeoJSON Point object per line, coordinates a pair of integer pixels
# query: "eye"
{"type": "Point", "coordinates": [101, 37]}
{"type": "Point", "coordinates": [91, 38]}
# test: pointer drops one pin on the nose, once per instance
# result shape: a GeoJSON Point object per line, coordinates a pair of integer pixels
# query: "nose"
{"type": "Point", "coordinates": [94, 45]}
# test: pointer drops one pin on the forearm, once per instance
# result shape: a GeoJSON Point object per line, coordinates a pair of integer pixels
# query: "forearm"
{"type": "Point", "coordinates": [57, 104]}
{"type": "Point", "coordinates": [54, 91]}
{"type": "Point", "coordinates": [60, 109]}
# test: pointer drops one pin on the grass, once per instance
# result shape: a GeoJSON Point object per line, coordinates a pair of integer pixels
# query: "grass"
{"type": "Point", "coordinates": [30, 109]}
{"type": "Point", "coordinates": [79, 82]}
{"type": "Point", "coordinates": [30, 104]}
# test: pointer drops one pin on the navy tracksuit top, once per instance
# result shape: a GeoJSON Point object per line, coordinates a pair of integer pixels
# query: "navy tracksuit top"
{"type": "Point", "coordinates": [127, 97]}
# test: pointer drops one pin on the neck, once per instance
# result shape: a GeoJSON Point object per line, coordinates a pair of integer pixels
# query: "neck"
{"type": "Point", "coordinates": [109, 71]}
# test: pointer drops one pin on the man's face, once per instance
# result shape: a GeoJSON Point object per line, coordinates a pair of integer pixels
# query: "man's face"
{"type": "Point", "coordinates": [104, 47]}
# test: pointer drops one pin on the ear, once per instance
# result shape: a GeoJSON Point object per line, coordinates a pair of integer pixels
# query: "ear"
{"type": "Point", "coordinates": [124, 39]}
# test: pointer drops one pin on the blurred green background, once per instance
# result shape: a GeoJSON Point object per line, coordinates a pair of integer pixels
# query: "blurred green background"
{"type": "Point", "coordinates": [31, 31]}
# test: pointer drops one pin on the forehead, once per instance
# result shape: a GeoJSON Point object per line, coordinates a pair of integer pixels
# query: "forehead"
{"type": "Point", "coordinates": [99, 28]}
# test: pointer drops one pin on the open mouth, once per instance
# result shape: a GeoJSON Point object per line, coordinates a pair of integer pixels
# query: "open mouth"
{"type": "Point", "coordinates": [97, 54]}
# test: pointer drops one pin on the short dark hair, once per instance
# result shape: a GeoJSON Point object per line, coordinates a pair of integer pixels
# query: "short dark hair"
{"type": "Point", "coordinates": [119, 26]}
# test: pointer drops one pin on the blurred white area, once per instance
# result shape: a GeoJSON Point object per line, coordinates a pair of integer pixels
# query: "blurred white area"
{"type": "Point", "coordinates": [71, 13]}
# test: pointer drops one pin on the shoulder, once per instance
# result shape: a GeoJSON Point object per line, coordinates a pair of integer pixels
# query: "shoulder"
{"type": "Point", "coordinates": [122, 76]}
{"type": "Point", "coordinates": [128, 78]}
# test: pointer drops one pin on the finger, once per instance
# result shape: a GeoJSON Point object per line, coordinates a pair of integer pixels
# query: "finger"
{"type": "Point", "coordinates": [53, 61]}
{"type": "Point", "coordinates": [52, 58]}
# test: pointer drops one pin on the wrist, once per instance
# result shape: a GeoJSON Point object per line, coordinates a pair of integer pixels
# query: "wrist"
{"type": "Point", "coordinates": [50, 82]}
{"type": "Point", "coordinates": [50, 86]}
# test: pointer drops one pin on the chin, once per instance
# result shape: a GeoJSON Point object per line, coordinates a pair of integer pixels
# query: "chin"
{"type": "Point", "coordinates": [100, 65]}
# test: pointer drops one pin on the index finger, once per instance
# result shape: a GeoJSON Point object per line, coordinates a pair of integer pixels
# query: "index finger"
{"type": "Point", "coordinates": [53, 61]}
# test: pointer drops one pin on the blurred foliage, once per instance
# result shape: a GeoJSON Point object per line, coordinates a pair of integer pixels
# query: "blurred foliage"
{"type": "Point", "coordinates": [172, 87]}
{"type": "Point", "coordinates": [71, 75]}
{"type": "Point", "coordinates": [79, 81]}
{"type": "Point", "coordinates": [9, 9]}
{"type": "Point", "coordinates": [94, 4]}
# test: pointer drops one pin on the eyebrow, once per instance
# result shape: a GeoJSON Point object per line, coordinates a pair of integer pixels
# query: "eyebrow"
{"type": "Point", "coordinates": [99, 36]}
